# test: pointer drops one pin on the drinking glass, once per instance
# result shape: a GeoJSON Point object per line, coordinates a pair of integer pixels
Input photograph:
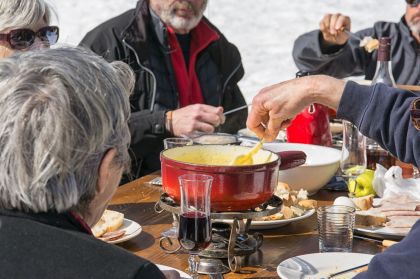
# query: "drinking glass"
{"type": "Point", "coordinates": [335, 228]}
{"type": "Point", "coordinates": [172, 143]}
{"type": "Point", "coordinates": [353, 154]}
{"type": "Point", "coordinates": [194, 233]}
{"type": "Point", "coordinates": [176, 142]}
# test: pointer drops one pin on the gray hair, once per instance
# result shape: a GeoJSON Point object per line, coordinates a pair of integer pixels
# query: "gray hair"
{"type": "Point", "coordinates": [23, 13]}
{"type": "Point", "coordinates": [61, 111]}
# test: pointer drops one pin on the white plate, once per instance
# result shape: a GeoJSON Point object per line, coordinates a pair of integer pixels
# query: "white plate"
{"type": "Point", "coordinates": [380, 232]}
{"type": "Point", "coordinates": [321, 265]}
{"type": "Point", "coordinates": [265, 225]}
{"type": "Point", "coordinates": [132, 229]}
{"type": "Point", "coordinates": [181, 273]}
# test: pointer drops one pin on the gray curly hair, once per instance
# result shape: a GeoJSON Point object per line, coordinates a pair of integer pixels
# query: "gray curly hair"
{"type": "Point", "coordinates": [23, 13]}
{"type": "Point", "coordinates": [61, 111]}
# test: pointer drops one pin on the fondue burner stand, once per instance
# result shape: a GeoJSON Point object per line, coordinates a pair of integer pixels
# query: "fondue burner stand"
{"type": "Point", "coordinates": [229, 241]}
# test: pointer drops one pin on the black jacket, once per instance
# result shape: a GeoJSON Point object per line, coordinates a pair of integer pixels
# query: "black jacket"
{"type": "Point", "coordinates": [57, 246]}
{"type": "Point", "coordinates": [352, 60]}
{"type": "Point", "coordinates": [138, 32]}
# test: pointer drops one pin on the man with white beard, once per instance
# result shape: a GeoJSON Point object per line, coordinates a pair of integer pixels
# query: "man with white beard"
{"type": "Point", "coordinates": [332, 50]}
{"type": "Point", "coordinates": [186, 70]}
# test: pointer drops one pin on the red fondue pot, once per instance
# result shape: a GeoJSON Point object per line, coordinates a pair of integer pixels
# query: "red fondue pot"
{"type": "Point", "coordinates": [234, 188]}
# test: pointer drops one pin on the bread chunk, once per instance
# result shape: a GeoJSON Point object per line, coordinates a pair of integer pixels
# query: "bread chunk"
{"type": "Point", "coordinates": [307, 204]}
{"type": "Point", "coordinates": [363, 203]}
{"type": "Point", "coordinates": [109, 222]}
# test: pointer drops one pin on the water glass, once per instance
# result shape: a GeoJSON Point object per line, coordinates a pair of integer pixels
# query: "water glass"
{"type": "Point", "coordinates": [335, 228]}
{"type": "Point", "coordinates": [353, 153]}
{"type": "Point", "coordinates": [176, 142]}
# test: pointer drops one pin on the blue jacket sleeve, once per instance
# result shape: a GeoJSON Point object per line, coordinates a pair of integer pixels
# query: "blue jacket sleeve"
{"type": "Point", "coordinates": [383, 114]}
{"type": "Point", "coordinates": [399, 261]}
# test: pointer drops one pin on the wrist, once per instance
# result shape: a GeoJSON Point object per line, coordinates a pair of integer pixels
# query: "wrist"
{"type": "Point", "coordinates": [328, 91]}
{"type": "Point", "coordinates": [168, 121]}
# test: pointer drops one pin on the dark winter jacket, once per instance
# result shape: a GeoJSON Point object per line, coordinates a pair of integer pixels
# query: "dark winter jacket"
{"type": "Point", "coordinates": [353, 60]}
{"type": "Point", "coordinates": [59, 246]}
{"type": "Point", "coordinates": [383, 114]}
{"type": "Point", "coordinates": [138, 34]}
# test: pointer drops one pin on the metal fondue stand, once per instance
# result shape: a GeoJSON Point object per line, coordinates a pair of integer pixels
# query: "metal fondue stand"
{"type": "Point", "coordinates": [233, 247]}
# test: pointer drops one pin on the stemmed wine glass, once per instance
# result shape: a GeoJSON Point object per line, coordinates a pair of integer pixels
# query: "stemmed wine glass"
{"type": "Point", "coordinates": [194, 232]}
{"type": "Point", "coordinates": [353, 154]}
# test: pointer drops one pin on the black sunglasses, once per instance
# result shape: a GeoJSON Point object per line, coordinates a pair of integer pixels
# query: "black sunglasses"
{"type": "Point", "coordinates": [23, 38]}
{"type": "Point", "coordinates": [412, 3]}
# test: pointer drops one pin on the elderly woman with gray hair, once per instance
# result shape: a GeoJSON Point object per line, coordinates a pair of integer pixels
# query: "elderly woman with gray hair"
{"type": "Point", "coordinates": [63, 148]}
{"type": "Point", "coordinates": [24, 25]}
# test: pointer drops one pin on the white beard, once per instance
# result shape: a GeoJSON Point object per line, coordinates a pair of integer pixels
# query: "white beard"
{"type": "Point", "coordinates": [415, 27]}
{"type": "Point", "coordinates": [180, 23]}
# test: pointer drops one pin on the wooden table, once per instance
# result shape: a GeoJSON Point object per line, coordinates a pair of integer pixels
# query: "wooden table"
{"type": "Point", "coordinates": [137, 200]}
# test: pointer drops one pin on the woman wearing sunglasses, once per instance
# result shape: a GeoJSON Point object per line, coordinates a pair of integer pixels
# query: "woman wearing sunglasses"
{"type": "Point", "coordinates": [24, 25]}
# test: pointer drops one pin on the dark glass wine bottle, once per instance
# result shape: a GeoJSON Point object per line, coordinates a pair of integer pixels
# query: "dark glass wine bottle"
{"type": "Point", "coordinates": [383, 74]}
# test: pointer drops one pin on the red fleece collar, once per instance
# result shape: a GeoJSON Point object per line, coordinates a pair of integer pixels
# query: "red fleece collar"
{"type": "Point", "coordinates": [187, 81]}
{"type": "Point", "coordinates": [82, 222]}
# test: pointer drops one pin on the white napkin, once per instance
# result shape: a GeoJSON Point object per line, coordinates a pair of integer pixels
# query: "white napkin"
{"type": "Point", "coordinates": [388, 183]}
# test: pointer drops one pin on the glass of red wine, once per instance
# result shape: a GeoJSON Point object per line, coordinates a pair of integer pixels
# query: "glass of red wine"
{"type": "Point", "coordinates": [194, 231]}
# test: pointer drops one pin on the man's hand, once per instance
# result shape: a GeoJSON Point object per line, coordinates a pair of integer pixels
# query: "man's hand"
{"type": "Point", "coordinates": [196, 118]}
{"type": "Point", "coordinates": [276, 105]}
{"type": "Point", "coordinates": [332, 27]}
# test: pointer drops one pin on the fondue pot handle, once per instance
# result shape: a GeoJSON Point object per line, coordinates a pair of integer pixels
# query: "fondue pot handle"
{"type": "Point", "coordinates": [291, 159]}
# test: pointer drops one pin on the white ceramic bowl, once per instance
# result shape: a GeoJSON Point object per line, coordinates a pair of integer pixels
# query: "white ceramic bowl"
{"type": "Point", "coordinates": [321, 165]}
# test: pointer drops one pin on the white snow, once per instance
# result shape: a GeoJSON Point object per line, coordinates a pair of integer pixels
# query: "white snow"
{"type": "Point", "coordinates": [264, 31]}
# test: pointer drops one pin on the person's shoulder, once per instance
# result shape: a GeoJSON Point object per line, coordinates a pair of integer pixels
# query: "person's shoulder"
{"type": "Point", "coordinates": [105, 38]}
{"type": "Point", "coordinates": [217, 30]}
{"type": "Point", "coordinates": [117, 23]}
{"type": "Point", "coordinates": [385, 24]}
{"type": "Point", "coordinates": [387, 28]}
{"type": "Point", "coordinates": [32, 241]}
{"type": "Point", "coordinates": [224, 44]}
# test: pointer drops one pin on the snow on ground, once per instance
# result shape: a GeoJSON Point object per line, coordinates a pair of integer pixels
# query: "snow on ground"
{"type": "Point", "coordinates": [263, 30]}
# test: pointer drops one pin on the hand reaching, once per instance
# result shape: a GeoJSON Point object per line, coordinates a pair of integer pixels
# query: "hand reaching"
{"type": "Point", "coordinates": [276, 105]}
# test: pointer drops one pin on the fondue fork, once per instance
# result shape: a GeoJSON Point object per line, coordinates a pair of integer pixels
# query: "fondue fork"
{"type": "Point", "coordinates": [236, 109]}
{"type": "Point", "coordinates": [362, 267]}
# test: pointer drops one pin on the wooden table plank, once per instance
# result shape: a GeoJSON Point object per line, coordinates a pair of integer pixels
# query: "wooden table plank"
{"type": "Point", "coordinates": [137, 200]}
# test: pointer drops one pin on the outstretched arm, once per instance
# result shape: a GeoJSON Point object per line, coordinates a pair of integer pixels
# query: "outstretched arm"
{"type": "Point", "coordinates": [380, 112]}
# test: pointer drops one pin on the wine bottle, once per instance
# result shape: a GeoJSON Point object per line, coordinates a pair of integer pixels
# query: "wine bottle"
{"type": "Point", "coordinates": [383, 74]}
